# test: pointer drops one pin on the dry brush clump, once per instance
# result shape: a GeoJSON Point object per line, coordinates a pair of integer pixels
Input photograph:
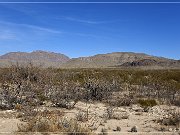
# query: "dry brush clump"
{"type": "Point", "coordinates": [65, 95]}
{"type": "Point", "coordinates": [47, 122]}
{"type": "Point", "coordinates": [97, 90]}
{"type": "Point", "coordinates": [116, 113]}
{"type": "Point", "coordinates": [20, 84]}
{"type": "Point", "coordinates": [82, 116]}
{"type": "Point", "coordinates": [172, 119]}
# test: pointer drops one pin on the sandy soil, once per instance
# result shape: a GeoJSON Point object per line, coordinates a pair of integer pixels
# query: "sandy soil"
{"type": "Point", "coordinates": [97, 120]}
{"type": "Point", "coordinates": [8, 122]}
{"type": "Point", "coordinates": [144, 121]}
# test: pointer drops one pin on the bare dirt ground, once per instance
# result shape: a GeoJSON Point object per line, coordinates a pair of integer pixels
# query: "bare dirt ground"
{"type": "Point", "coordinates": [144, 121]}
{"type": "Point", "coordinates": [8, 122]}
{"type": "Point", "coordinates": [123, 117]}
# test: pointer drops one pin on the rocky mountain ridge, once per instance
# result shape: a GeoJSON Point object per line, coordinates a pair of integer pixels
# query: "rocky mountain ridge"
{"type": "Point", "coordinates": [109, 60]}
{"type": "Point", "coordinates": [120, 59]}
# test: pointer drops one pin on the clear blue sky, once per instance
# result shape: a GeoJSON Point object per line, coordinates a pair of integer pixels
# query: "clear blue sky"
{"type": "Point", "coordinates": [88, 29]}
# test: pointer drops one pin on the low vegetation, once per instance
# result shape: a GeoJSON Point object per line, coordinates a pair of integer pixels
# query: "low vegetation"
{"type": "Point", "coordinates": [147, 103]}
{"type": "Point", "coordinates": [48, 122]}
{"type": "Point", "coordinates": [172, 119]}
{"type": "Point", "coordinates": [25, 88]}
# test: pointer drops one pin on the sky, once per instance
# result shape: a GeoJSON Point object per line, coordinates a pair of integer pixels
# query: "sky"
{"type": "Point", "coordinates": [86, 29]}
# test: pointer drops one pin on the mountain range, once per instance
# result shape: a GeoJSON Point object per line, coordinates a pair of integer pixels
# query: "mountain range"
{"type": "Point", "coordinates": [39, 57]}
{"type": "Point", "coordinates": [109, 60]}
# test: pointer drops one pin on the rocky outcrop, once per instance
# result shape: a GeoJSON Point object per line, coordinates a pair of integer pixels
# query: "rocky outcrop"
{"type": "Point", "coordinates": [151, 62]}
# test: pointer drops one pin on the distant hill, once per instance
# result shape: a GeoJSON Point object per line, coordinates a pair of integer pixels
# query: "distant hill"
{"type": "Point", "coordinates": [109, 60]}
{"type": "Point", "coordinates": [43, 58]}
{"type": "Point", "coordinates": [121, 59]}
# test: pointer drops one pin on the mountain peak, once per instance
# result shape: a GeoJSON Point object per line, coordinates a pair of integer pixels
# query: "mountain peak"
{"type": "Point", "coordinates": [39, 56]}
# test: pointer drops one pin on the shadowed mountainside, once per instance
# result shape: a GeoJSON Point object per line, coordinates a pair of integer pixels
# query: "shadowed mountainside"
{"type": "Point", "coordinates": [152, 62]}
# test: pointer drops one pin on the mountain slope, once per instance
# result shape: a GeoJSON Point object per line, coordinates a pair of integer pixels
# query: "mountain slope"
{"type": "Point", "coordinates": [152, 62]}
{"type": "Point", "coordinates": [115, 60]}
{"type": "Point", "coordinates": [37, 57]}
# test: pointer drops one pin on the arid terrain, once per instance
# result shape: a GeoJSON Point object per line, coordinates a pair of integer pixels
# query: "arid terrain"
{"type": "Point", "coordinates": [85, 101]}
{"type": "Point", "coordinates": [124, 119]}
{"type": "Point", "coordinates": [89, 67]}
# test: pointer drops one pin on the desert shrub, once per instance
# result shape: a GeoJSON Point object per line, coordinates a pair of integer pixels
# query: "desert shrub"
{"type": "Point", "coordinates": [147, 102]}
{"type": "Point", "coordinates": [172, 120]}
{"type": "Point", "coordinates": [76, 128]}
{"type": "Point", "coordinates": [21, 85]}
{"type": "Point", "coordinates": [82, 116]}
{"type": "Point", "coordinates": [18, 107]}
{"type": "Point", "coordinates": [28, 113]}
{"type": "Point", "coordinates": [41, 122]}
{"type": "Point", "coordinates": [18, 73]}
{"type": "Point", "coordinates": [110, 112]}
{"type": "Point", "coordinates": [65, 95]}
{"type": "Point", "coordinates": [53, 122]}
{"type": "Point", "coordinates": [98, 89]}
{"type": "Point", "coordinates": [176, 102]}
{"type": "Point", "coordinates": [124, 101]}
{"type": "Point", "coordinates": [115, 113]}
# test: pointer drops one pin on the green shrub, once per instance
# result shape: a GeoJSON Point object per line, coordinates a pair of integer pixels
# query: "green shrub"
{"type": "Point", "coordinates": [147, 102]}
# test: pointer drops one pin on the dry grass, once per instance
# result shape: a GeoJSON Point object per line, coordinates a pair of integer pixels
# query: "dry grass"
{"type": "Point", "coordinates": [54, 122]}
